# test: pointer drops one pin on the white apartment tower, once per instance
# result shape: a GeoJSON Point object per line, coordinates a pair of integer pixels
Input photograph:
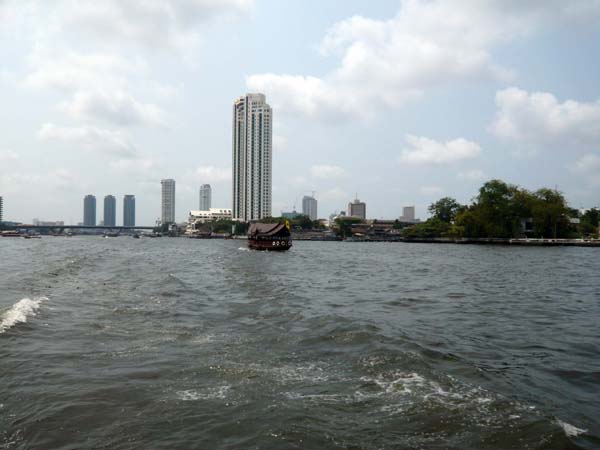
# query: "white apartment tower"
{"type": "Point", "coordinates": [167, 201]}
{"type": "Point", "coordinates": [309, 207]}
{"type": "Point", "coordinates": [252, 158]}
{"type": "Point", "coordinates": [205, 197]}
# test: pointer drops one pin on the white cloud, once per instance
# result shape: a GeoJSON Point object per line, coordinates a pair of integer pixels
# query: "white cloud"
{"type": "Point", "coordinates": [210, 174]}
{"type": "Point", "coordinates": [70, 71]}
{"type": "Point", "coordinates": [91, 138]}
{"type": "Point", "coordinates": [588, 167]}
{"type": "Point", "coordinates": [538, 118]}
{"type": "Point", "coordinates": [383, 63]}
{"type": "Point", "coordinates": [472, 175]}
{"type": "Point", "coordinates": [422, 150]}
{"type": "Point", "coordinates": [8, 157]}
{"type": "Point", "coordinates": [154, 24]}
{"type": "Point", "coordinates": [327, 172]}
{"type": "Point", "coordinates": [336, 194]}
{"type": "Point", "coordinates": [431, 190]}
{"type": "Point", "coordinates": [588, 163]}
{"type": "Point", "coordinates": [117, 108]}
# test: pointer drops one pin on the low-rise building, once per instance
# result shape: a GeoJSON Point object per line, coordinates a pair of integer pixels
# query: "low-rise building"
{"type": "Point", "coordinates": [210, 215]}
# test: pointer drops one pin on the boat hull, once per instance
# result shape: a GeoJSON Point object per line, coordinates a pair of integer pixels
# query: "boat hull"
{"type": "Point", "coordinates": [278, 245]}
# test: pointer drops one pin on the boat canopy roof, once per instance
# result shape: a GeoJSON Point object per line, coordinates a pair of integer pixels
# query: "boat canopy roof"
{"type": "Point", "coordinates": [268, 229]}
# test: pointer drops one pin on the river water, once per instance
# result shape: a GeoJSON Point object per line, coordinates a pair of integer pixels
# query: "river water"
{"type": "Point", "coordinates": [123, 343]}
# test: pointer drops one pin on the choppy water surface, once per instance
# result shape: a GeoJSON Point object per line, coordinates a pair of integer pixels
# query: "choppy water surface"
{"type": "Point", "coordinates": [174, 343]}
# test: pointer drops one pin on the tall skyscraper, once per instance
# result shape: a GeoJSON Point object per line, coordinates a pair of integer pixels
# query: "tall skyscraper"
{"type": "Point", "coordinates": [129, 211]}
{"type": "Point", "coordinates": [89, 211]}
{"type": "Point", "coordinates": [110, 211]}
{"type": "Point", "coordinates": [205, 197]}
{"type": "Point", "coordinates": [408, 214]}
{"type": "Point", "coordinates": [1, 209]}
{"type": "Point", "coordinates": [252, 158]}
{"type": "Point", "coordinates": [309, 207]}
{"type": "Point", "coordinates": [168, 201]}
{"type": "Point", "coordinates": [357, 209]}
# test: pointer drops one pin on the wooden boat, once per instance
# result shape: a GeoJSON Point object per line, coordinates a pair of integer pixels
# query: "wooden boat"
{"type": "Point", "coordinates": [269, 236]}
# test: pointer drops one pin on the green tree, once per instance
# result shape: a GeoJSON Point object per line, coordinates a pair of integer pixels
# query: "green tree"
{"type": "Point", "coordinates": [549, 213]}
{"type": "Point", "coordinates": [445, 209]}
{"type": "Point", "coordinates": [432, 228]}
{"type": "Point", "coordinates": [343, 225]}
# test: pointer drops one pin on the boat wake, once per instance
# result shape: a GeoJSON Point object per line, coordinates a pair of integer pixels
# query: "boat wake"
{"type": "Point", "coordinates": [19, 312]}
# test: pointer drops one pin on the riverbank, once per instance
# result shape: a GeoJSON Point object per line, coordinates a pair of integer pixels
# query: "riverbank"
{"type": "Point", "coordinates": [491, 241]}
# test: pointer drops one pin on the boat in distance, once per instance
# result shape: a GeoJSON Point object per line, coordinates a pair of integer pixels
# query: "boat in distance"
{"type": "Point", "coordinates": [269, 236]}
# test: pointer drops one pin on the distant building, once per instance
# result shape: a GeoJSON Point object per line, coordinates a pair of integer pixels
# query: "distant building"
{"type": "Point", "coordinates": [168, 201]}
{"type": "Point", "coordinates": [205, 197]}
{"type": "Point", "coordinates": [309, 207]}
{"type": "Point", "coordinates": [110, 211]}
{"type": "Point", "coordinates": [209, 215]}
{"type": "Point", "coordinates": [1, 209]}
{"type": "Point", "coordinates": [252, 158]}
{"type": "Point", "coordinates": [357, 209]}
{"type": "Point", "coordinates": [129, 211]}
{"type": "Point", "coordinates": [89, 211]}
{"type": "Point", "coordinates": [408, 214]}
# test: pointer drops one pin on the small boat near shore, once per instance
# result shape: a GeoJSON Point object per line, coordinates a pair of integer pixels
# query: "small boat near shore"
{"type": "Point", "coordinates": [269, 236]}
{"type": "Point", "coordinates": [11, 233]}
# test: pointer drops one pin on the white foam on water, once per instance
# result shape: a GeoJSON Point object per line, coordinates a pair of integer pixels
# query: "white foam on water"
{"type": "Point", "coordinates": [203, 339]}
{"type": "Point", "coordinates": [19, 312]}
{"type": "Point", "coordinates": [219, 392]}
{"type": "Point", "coordinates": [570, 430]}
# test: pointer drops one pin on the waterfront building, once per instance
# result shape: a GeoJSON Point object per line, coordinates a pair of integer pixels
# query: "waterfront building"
{"type": "Point", "coordinates": [408, 214]}
{"type": "Point", "coordinates": [129, 211]}
{"type": "Point", "coordinates": [1, 209]}
{"type": "Point", "coordinates": [309, 207]}
{"type": "Point", "coordinates": [110, 211]}
{"type": "Point", "coordinates": [357, 209]}
{"type": "Point", "coordinates": [168, 201]}
{"type": "Point", "coordinates": [205, 197]}
{"type": "Point", "coordinates": [252, 158]}
{"type": "Point", "coordinates": [89, 211]}
{"type": "Point", "coordinates": [196, 218]}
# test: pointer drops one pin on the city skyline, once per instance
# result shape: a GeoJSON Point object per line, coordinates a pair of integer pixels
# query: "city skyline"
{"type": "Point", "coordinates": [117, 118]}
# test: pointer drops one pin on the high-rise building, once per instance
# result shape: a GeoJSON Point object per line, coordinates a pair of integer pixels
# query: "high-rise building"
{"type": "Point", "coordinates": [1, 209]}
{"type": "Point", "coordinates": [309, 207]}
{"type": "Point", "coordinates": [205, 197]}
{"type": "Point", "coordinates": [168, 201]}
{"type": "Point", "coordinates": [357, 209]}
{"type": "Point", "coordinates": [408, 214]}
{"type": "Point", "coordinates": [252, 158]}
{"type": "Point", "coordinates": [129, 211]}
{"type": "Point", "coordinates": [89, 211]}
{"type": "Point", "coordinates": [110, 211]}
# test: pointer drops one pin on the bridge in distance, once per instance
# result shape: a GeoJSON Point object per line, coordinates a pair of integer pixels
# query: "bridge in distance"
{"type": "Point", "coordinates": [77, 227]}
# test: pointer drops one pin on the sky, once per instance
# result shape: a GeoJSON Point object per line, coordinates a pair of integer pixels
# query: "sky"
{"type": "Point", "coordinates": [397, 102]}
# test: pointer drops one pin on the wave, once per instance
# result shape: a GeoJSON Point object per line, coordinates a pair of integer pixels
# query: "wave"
{"type": "Point", "coordinates": [19, 312]}
{"type": "Point", "coordinates": [570, 430]}
{"type": "Point", "coordinates": [219, 392]}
